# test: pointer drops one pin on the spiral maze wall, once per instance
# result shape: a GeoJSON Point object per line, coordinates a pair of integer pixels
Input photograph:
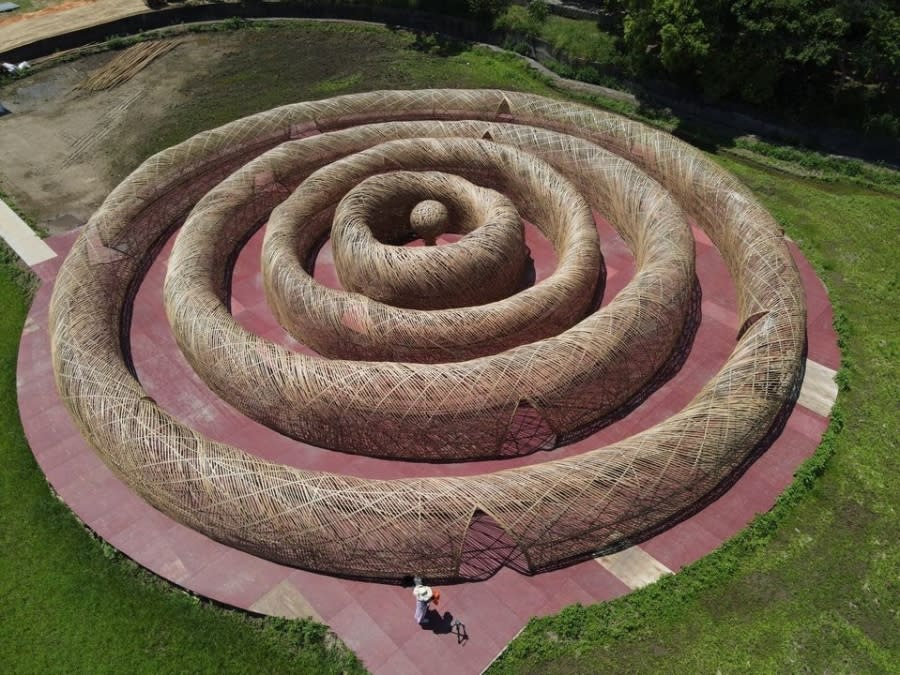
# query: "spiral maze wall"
{"type": "Point", "coordinates": [438, 353]}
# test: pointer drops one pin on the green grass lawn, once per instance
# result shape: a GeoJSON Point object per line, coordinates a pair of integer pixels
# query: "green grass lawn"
{"type": "Point", "coordinates": [810, 587]}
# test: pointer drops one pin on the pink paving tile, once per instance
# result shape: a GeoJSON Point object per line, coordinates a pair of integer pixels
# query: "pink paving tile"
{"type": "Point", "coordinates": [398, 664]}
{"type": "Point", "coordinates": [823, 347]}
{"type": "Point", "coordinates": [392, 607]}
{"type": "Point", "coordinates": [156, 275]}
{"type": "Point", "coordinates": [429, 651]}
{"type": "Point", "coordinates": [328, 595]}
{"type": "Point", "coordinates": [758, 489]}
{"type": "Point", "coordinates": [36, 388]}
{"type": "Point", "coordinates": [325, 272]}
{"type": "Point", "coordinates": [60, 452]}
{"type": "Point", "coordinates": [249, 291]}
{"type": "Point", "coordinates": [150, 333]}
{"type": "Point", "coordinates": [585, 583]}
{"type": "Point", "coordinates": [80, 472]}
{"type": "Point", "coordinates": [118, 519]}
{"type": "Point", "coordinates": [216, 420]}
{"type": "Point", "coordinates": [61, 243]}
{"type": "Point", "coordinates": [541, 252]}
{"type": "Point", "coordinates": [819, 314]}
{"type": "Point", "coordinates": [247, 263]}
{"type": "Point", "coordinates": [166, 249]}
{"type": "Point", "coordinates": [597, 581]}
{"type": "Point", "coordinates": [718, 287]}
{"type": "Point", "coordinates": [180, 396]}
{"type": "Point", "coordinates": [256, 323]}
{"type": "Point", "coordinates": [34, 376]}
{"type": "Point", "coordinates": [727, 516]}
{"type": "Point", "coordinates": [726, 315]}
{"type": "Point", "coordinates": [365, 636]}
{"type": "Point", "coordinates": [681, 545]}
{"type": "Point", "coordinates": [237, 578]}
{"type": "Point", "coordinates": [815, 289]}
{"type": "Point", "coordinates": [480, 607]}
{"type": "Point", "coordinates": [619, 273]}
{"type": "Point", "coordinates": [151, 525]}
{"type": "Point", "coordinates": [102, 494]}
{"type": "Point", "coordinates": [566, 592]}
{"type": "Point", "coordinates": [811, 425]}
{"type": "Point", "coordinates": [178, 553]}
{"type": "Point", "coordinates": [783, 458]}
{"type": "Point", "coordinates": [47, 270]}
{"type": "Point", "coordinates": [40, 303]}
{"type": "Point", "coordinates": [520, 595]}
{"type": "Point", "coordinates": [47, 426]}
{"type": "Point", "coordinates": [700, 237]}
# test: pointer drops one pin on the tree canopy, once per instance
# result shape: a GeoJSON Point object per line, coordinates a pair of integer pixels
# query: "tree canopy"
{"type": "Point", "coordinates": [801, 56]}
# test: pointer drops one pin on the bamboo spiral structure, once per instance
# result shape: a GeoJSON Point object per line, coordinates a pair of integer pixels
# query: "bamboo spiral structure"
{"type": "Point", "coordinates": [439, 353]}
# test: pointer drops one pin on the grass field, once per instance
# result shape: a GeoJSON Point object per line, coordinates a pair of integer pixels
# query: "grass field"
{"type": "Point", "coordinates": [810, 587]}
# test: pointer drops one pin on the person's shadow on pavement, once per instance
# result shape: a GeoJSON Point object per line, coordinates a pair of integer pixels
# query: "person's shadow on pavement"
{"type": "Point", "coordinates": [444, 625]}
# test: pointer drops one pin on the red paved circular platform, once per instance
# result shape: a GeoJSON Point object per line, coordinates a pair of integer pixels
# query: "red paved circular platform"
{"type": "Point", "coordinates": [374, 620]}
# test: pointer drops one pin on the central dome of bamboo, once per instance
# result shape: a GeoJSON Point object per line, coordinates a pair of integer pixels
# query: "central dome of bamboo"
{"type": "Point", "coordinates": [486, 265]}
{"type": "Point", "coordinates": [429, 219]}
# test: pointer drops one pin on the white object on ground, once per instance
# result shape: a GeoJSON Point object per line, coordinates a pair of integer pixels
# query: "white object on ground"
{"type": "Point", "coordinates": [22, 239]}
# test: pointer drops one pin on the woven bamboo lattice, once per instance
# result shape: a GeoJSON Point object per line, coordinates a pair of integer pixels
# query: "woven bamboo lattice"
{"type": "Point", "coordinates": [522, 370]}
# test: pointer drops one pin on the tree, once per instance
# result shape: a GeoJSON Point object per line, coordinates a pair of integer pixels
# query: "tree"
{"type": "Point", "coordinates": [667, 36]}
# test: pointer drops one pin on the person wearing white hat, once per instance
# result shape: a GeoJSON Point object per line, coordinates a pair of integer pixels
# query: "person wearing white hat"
{"type": "Point", "coordinates": [423, 595]}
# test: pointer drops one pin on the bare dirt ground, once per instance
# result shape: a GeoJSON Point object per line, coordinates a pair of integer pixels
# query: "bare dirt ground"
{"type": "Point", "coordinates": [59, 143]}
{"type": "Point", "coordinates": [30, 7]}
{"type": "Point", "coordinates": [21, 28]}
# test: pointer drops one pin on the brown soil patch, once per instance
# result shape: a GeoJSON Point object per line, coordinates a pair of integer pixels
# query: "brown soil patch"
{"type": "Point", "coordinates": [68, 16]}
{"type": "Point", "coordinates": [62, 7]}
{"type": "Point", "coordinates": [61, 140]}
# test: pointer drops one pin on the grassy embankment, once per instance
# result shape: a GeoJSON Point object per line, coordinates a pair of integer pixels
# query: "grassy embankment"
{"type": "Point", "coordinates": [811, 586]}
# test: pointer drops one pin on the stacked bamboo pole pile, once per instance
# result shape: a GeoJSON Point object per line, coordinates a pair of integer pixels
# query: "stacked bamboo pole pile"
{"type": "Point", "coordinates": [127, 64]}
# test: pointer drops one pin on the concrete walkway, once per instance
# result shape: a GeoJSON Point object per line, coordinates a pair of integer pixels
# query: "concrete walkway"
{"type": "Point", "coordinates": [22, 239]}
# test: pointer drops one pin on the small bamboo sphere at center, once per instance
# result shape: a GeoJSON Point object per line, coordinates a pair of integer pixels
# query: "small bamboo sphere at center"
{"type": "Point", "coordinates": [429, 220]}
